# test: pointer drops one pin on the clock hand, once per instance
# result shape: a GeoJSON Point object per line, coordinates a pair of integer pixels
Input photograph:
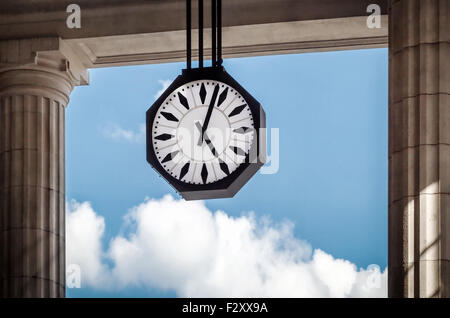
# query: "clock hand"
{"type": "Point", "coordinates": [199, 127]}
{"type": "Point", "coordinates": [210, 145]}
{"type": "Point", "coordinates": [200, 138]}
{"type": "Point", "coordinates": [207, 140]}
{"type": "Point", "coordinates": [208, 114]}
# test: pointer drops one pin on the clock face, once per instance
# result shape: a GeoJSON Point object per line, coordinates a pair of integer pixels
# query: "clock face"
{"type": "Point", "coordinates": [202, 132]}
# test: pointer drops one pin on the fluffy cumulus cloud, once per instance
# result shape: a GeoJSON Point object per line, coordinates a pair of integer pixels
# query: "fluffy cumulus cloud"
{"type": "Point", "coordinates": [183, 246]}
{"type": "Point", "coordinates": [84, 231]}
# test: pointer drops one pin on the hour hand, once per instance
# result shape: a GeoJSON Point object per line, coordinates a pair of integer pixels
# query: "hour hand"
{"type": "Point", "coordinates": [200, 138]}
{"type": "Point", "coordinates": [206, 139]}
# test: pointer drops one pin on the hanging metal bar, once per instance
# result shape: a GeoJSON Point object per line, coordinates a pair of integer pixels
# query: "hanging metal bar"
{"type": "Point", "coordinates": [213, 31]}
{"type": "Point", "coordinates": [188, 35]}
{"type": "Point", "coordinates": [219, 32]}
{"type": "Point", "coordinates": [200, 33]}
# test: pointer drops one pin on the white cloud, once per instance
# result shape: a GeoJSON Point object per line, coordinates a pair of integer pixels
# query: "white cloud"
{"type": "Point", "coordinates": [85, 228]}
{"type": "Point", "coordinates": [183, 246]}
{"type": "Point", "coordinates": [165, 84]}
{"type": "Point", "coordinates": [117, 133]}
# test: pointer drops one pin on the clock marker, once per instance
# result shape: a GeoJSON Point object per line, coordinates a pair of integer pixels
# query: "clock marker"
{"type": "Point", "coordinates": [241, 130]}
{"type": "Point", "coordinates": [169, 157]}
{"type": "Point", "coordinates": [164, 137]}
{"type": "Point", "coordinates": [222, 97]}
{"type": "Point", "coordinates": [237, 150]}
{"type": "Point", "coordinates": [224, 167]}
{"type": "Point", "coordinates": [237, 110]}
{"type": "Point", "coordinates": [202, 93]}
{"type": "Point", "coordinates": [183, 100]}
{"type": "Point", "coordinates": [184, 170]}
{"type": "Point", "coordinates": [204, 173]}
{"type": "Point", "coordinates": [169, 116]}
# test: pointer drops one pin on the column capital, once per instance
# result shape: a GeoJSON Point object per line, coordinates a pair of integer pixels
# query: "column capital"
{"type": "Point", "coordinates": [42, 66]}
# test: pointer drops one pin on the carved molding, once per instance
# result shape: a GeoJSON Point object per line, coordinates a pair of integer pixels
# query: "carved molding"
{"type": "Point", "coordinates": [43, 67]}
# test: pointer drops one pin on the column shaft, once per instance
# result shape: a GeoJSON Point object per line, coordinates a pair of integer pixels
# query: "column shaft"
{"type": "Point", "coordinates": [419, 148]}
{"type": "Point", "coordinates": [32, 196]}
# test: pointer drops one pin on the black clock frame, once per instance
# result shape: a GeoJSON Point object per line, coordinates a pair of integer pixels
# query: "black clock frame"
{"type": "Point", "coordinates": [231, 184]}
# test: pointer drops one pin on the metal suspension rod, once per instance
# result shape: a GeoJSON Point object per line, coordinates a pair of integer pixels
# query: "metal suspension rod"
{"type": "Point", "coordinates": [219, 32]}
{"type": "Point", "coordinates": [200, 33]}
{"type": "Point", "coordinates": [213, 31]}
{"type": "Point", "coordinates": [188, 35]}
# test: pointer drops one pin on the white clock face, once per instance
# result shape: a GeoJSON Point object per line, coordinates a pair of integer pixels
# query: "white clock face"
{"type": "Point", "coordinates": [202, 132]}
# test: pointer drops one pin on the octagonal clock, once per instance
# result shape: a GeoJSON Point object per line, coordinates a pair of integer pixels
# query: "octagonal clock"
{"type": "Point", "coordinates": [204, 134]}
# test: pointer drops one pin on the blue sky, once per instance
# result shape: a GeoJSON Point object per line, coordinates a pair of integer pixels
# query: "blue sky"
{"type": "Point", "coordinates": [331, 111]}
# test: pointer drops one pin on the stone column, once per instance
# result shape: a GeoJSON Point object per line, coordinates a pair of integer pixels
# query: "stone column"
{"type": "Point", "coordinates": [419, 148]}
{"type": "Point", "coordinates": [35, 83]}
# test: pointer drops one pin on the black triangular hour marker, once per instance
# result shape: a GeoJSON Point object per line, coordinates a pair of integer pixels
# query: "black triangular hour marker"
{"type": "Point", "coordinates": [241, 130]}
{"type": "Point", "coordinates": [222, 97]}
{"type": "Point", "coordinates": [203, 93]}
{"type": "Point", "coordinates": [164, 137]}
{"type": "Point", "coordinates": [183, 100]}
{"type": "Point", "coordinates": [169, 157]}
{"type": "Point", "coordinates": [224, 167]}
{"type": "Point", "coordinates": [204, 173]}
{"type": "Point", "coordinates": [184, 170]}
{"type": "Point", "coordinates": [169, 116]}
{"type": "Point", "coordinates": [237, 110]}
{"type": "Point", "coordinates": [237, 150]}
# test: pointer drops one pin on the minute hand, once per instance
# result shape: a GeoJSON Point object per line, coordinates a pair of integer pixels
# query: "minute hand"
{"type": "Point", "coordinates": [210, 109]}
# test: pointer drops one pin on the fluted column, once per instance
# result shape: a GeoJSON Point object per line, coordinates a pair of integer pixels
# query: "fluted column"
{"type": "Point", "coordinates": [419, 148]}
{"type": "Point", "coordinates": [33, 95]}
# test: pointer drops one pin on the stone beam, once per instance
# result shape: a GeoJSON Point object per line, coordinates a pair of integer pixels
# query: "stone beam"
{"type": "Point", "coordinates": [238, 41]}
{"type": "Point", "coordinates": [44, 18]}
{"type": "Point", "coordinates": [117, 32]}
